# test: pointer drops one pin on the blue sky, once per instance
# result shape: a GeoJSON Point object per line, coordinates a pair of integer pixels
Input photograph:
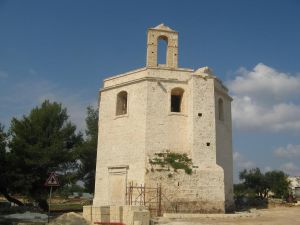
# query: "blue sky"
{"type": "Point", "coordinates": [62, 50]}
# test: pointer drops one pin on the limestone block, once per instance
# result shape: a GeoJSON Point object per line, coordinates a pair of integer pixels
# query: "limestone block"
{"type": "Point", "coordinates": [142, 217]}
{"type": "Point", "coordinates": [87, 212]}
{"type": "Point", "coordinates": [135, 214]}
{"type": "Point", "coordinates": [116, 213]}
{"type": "Point", "coordinates": [101, 213]}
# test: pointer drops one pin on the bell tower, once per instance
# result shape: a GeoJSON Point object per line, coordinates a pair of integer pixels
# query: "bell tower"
{"type": "Point", "coordinates": [162, 32]}
{"type": "Point", "coordinates": [170, 111]}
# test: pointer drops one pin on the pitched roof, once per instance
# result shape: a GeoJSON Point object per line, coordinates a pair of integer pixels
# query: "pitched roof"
{"type": "Point", "coordinates": [162, 27]}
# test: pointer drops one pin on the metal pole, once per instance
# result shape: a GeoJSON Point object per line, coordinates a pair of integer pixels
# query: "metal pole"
{"type": "Point", "coordinates": [159, 201]}
{"type": "Point", "coordinates": [141, 194]}
{"type": "Point", "coordinates": [49, 204]}
{"type": "Point", "coordinates": [144, 194]}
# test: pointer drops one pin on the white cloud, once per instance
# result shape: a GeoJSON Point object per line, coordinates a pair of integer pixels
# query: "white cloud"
{"type": "Point", "coordinates": [248, 114]}
{"type": "Point", "coordinates": [241, 162]}
{"type": "Point", "coordinates": [265, 83]}
{"type": "Point", "coordinates": [291, 169]}
{"type": "Point", "coordinates": [290, 151]}
{"type": "Point", "coordinates": [265, 99]}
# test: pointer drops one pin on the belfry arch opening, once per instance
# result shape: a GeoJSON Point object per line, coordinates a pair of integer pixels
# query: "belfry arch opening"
{"type": "Point", "coordinates": [121, 107]}
{"type": "Point", "coordinates": [176, 99]}
{"type": "Point", "coordinates": [162, 48]}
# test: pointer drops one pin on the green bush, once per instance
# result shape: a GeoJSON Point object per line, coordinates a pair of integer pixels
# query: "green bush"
{"type": "Point", "coordinates": [175, 160]}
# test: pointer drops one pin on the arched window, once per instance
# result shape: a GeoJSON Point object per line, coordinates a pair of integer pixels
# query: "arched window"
{"type": "Point", "coordinates": [121, 103]}
{"type": "Point", "coordinates": [221, 109]}
{"type": "Point", "coordinates": [162, 46]}
{"type": "Point", "coordinates": [176, 99]}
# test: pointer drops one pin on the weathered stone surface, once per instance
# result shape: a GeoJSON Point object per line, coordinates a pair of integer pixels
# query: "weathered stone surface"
{"type": "Point", "coordinates": [125, 214]}
{"type": "Point", "coordinates": [200, 192]}
{"type": "Point", "coordinates": [201, 129]}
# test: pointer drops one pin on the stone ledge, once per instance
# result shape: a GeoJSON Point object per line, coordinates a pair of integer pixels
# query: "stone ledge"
{"type": "Point", "coordinates": [130, 215]}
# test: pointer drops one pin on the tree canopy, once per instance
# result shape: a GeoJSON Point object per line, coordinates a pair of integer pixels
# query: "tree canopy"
{"type": "Point", "coordinates": [262, 183]}
{"type": "Point", "coordinates": [88, 151]}
{"type": "Point", "coordinates": [5, 168]}
{"type": "Point", "coordinates": [42, 142]}
{"type": "Point", "coordinates": [278, 183]}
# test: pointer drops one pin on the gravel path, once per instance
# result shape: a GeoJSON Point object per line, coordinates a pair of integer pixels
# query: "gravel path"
{"type": "Point", "coordinates": [273, 216]}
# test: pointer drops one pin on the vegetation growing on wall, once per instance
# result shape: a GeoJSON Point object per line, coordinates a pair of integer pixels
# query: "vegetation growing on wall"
{"type": "Point", "coordinates": [174, 160]}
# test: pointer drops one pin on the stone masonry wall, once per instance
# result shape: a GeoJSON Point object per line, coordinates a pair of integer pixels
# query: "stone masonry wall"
{"type": "Point", "coordinates": [200, 192]}
{"type": "Point", "coordinates": [202, 134]}
{"type": "Point", "coordinates": [165, 130]}
{"type": "Point", "coordinates": [150, 127]}
{"type": "Point", "coordinates": [121, 140]}
{"type": "Point", "coordinates": [224, 144]}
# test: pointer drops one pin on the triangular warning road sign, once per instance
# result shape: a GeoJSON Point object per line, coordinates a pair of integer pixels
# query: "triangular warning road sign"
{"type": "Point", "coordinates": [52, 180]}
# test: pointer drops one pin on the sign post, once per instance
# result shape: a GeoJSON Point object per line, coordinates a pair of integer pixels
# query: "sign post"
{"type": "Point", "coordinates": [50, 182]}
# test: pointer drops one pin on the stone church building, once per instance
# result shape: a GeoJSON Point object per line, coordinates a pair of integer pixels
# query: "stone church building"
{"type": "Point", "coordinates": [148, 113]}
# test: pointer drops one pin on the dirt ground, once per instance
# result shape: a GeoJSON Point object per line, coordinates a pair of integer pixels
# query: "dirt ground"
{"type": "Point", "coordinates": [273, 216]}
